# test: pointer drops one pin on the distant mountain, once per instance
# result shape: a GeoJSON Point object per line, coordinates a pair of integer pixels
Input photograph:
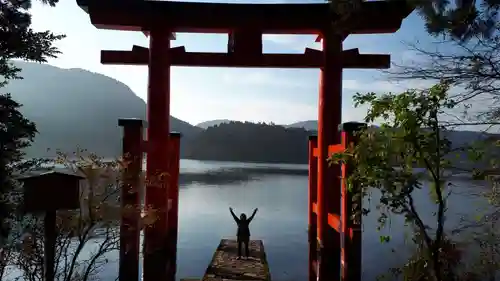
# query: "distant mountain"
{"type": "Point", "coordinates": [76, 107]}
{"type": "Point", "coordinates": [212, 123]}
{"type": "Point", "coordinates": [310, 125]}
{"type": "Point", "coordinates": [458, 138]}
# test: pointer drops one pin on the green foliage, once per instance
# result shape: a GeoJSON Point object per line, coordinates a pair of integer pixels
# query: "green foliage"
{"type": "Point", "coordinates": [410, 136]}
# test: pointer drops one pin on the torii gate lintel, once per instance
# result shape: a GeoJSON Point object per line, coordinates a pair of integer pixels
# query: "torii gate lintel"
{"type": "Point", "coordinates": [311, 58]}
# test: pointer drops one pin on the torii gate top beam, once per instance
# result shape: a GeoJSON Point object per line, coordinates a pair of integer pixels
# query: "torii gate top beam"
{"type": "Point", "coordinates": [140, 15]}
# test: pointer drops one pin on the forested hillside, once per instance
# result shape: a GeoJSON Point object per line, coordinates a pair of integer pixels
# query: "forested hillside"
{"type": "Point", "coordinates": [75, 107]}
{"type": "Point", "coordinates": [251, 142]}
{"type": "Point", "coordinates": [211, 123]}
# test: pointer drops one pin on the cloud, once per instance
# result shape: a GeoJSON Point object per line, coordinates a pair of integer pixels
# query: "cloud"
{"type": "Point", "coordinates": [246, 109]}
{"type": "Point", "coordinates": [384, 86]}
{"type": "Point", "coordinates": [296, 43]}
{"type": "Point", "coordinates": [265, 78]}
{"type": "Point", "coordinates": [283, 39]}
{"type": "Point", "coordinates": [411, 57]}
{"type": "Point", "coordinates": [279, 111]}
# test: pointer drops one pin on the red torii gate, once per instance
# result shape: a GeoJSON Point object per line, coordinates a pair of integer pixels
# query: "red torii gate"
{"type": "Point", "coordinates": [245, 24]}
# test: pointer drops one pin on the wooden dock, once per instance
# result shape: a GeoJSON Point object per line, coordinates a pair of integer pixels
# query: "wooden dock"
{"type": "Point", "coordinates": [225, 267]}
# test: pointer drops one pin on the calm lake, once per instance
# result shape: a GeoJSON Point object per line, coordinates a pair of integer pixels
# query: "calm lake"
{"type": "Point", "coordinates": [208, 189]}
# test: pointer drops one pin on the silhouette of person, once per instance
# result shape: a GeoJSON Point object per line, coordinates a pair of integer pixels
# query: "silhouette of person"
{"type": "Point", "coordinates": [243, 234]}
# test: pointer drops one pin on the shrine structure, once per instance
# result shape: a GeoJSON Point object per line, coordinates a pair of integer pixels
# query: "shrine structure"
{"type": "Point", "coordinates": [331, 234]}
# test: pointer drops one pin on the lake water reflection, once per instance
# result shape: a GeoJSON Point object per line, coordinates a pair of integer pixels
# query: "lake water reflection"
{"type": "Point", "coordinates": [208, 189]}
{"type": "Point", "coordinates": [282, 219]}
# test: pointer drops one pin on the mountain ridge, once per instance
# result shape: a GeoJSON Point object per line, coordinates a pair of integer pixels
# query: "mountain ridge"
{"type": "Point", "coordinates": [310, 125]}
{"type": "Point", "coordinates": [211, 123]}
{"type": "Point", "coordinates": [75, 107]}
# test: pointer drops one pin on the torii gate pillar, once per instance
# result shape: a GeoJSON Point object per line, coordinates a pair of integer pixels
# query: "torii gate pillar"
{"type": "Point", "coordinates": [156, 260]}
{"type": "Point", "coordinates": [329, 118]}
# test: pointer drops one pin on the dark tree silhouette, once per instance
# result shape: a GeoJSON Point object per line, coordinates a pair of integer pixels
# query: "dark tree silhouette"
{"type": "Point", "coordinates": [16, 133]}
{"type": "Point", "coordinates": [461, 19]}
{"type": "Point", "coordinates": [17, 41]}
{"type": "Point", "coordinates": [250, 142]}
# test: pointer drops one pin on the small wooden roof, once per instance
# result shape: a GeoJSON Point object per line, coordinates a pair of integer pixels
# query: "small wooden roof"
{"type": "Point", "coordinates": [45, 173]}
{"type": "Point", "coordinates": [140, 15]}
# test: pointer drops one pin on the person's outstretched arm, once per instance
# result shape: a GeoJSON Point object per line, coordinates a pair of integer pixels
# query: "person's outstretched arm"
{"type": "Point", "coordinates": [253, 214]}
{"type": "Point", "coordinates": [236, 219]}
